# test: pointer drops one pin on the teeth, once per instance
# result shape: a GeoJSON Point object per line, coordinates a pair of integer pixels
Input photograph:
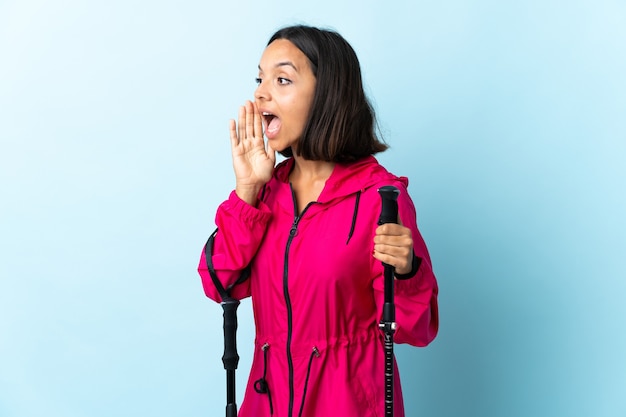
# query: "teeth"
{"type": "Point", "coordinates": [267, 114]}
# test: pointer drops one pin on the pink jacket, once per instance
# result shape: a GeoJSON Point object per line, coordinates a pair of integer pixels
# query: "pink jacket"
{"type": "Point", "coordinates": [317, 293]}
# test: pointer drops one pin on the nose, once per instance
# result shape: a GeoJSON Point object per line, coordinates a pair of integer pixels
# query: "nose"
{"type": "Point", "coordinates": [261, 92]}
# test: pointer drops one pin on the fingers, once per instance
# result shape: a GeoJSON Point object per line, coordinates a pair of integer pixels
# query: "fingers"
{"type": "Point", "coordinates": [393, 245]}
{"type": "Point", "coordinates": [401, 260]}
{"type": "Point", "coordinates": [250, 114]}
{"type": "Point", "coordinates": [249, 125]}
{"type": "Point", "coordinates": [258, 123]}
{"type": "Point", "coordinates": [393, 229]}
{"type": "Point", "coordinates": [234, 140]}
{"type": "Point", "coordinates": [242, 123]}
{"type": "Point", "coordinates": [402, 252]}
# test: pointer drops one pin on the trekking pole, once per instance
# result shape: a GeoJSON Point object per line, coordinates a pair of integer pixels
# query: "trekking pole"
{"type": "Point", "coordinates": [230, 358]}
{"type": "Point", "coordinates": [389, 214]}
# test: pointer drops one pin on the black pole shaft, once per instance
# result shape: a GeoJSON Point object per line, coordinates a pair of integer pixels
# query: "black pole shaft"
{"type": "Point", "coordinates": [230, 357]}
{"type": "Point", "coordinates": [388, 214]}
{"type": "Point", "coordinates": [231, 404]}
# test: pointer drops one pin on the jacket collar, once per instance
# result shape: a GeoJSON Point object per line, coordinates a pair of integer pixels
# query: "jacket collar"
{"type": "Point", "coordinates": [346, 178]}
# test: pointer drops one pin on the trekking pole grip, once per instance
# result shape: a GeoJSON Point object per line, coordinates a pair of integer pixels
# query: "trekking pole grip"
{"type": "Point", "coordinates": [389, 198]}
{"type": "Point", "coordinates": [230, 358]}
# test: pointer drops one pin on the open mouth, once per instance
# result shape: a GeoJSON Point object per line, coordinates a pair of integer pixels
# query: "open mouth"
{"type": "Point", "coordinates": [272, 122]}
{"type": "Point", "coordinates": [267, 117]}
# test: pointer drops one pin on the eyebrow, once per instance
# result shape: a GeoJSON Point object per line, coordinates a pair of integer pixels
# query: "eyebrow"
{"type": "Point", "coordinates": [282, 64]}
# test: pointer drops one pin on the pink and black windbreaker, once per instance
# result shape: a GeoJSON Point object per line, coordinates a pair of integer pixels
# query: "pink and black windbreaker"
{"type": "Point", "coordinates": [317, 293]}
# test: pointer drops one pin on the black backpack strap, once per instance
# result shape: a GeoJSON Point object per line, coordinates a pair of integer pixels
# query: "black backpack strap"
{"type": "Point", "coordinates": [208, 254]}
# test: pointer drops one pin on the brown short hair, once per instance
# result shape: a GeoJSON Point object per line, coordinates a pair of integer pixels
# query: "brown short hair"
{"type": "Point", "coordinates": [341, 123]}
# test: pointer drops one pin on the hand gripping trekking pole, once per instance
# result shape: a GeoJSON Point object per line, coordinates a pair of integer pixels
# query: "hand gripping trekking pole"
{"type": "Point", "coordinates": [388, 214]}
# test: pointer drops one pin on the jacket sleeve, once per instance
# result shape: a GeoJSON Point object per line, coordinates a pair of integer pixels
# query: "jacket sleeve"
{"type": "Point", "coordinates": [241, 228]}
{"type": "Point", "coordinates": [415, 298]}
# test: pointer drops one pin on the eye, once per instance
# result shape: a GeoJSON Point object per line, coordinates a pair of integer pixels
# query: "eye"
{"type": "Point", "coordinates": [283, 81]}
{"type": "Point", "coordinates": [258, 80]}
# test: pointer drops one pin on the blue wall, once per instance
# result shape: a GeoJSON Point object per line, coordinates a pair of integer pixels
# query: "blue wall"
{"type": "Point", "coordinates": [508, 119]}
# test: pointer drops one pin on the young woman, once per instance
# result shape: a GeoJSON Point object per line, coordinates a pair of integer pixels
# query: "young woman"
{"type": "Point", "coordinates": [307, 230]}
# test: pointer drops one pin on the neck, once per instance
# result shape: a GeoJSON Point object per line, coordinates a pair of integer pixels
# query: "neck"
{"type": "Point", "coordinates": [308, 179]}
{"type": "Point", "coordinates": [306, 170]}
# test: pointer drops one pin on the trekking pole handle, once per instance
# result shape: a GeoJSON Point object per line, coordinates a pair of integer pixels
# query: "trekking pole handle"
{"type": "Point", "coordinates": [389, 212]}
{"type": "Point", "coordinates": [230, 358]}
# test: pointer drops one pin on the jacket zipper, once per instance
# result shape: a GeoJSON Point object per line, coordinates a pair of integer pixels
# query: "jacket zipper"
{"type": "Point", "coordinates": [292, 233]}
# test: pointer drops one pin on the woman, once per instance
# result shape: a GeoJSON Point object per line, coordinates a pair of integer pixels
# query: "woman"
{"type": "Point", "coordinates": [307, 230]}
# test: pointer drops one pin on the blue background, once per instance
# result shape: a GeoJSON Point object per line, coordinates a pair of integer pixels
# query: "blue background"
{"type": "Point", "coordinates": [507, 117]}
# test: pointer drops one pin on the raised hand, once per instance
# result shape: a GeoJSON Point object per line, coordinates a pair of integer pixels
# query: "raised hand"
{"type": "Point", "coordinates": [253, 162]}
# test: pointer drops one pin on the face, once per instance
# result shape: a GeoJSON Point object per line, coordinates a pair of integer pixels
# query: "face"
{"type": "Point", "coordinates": [284, 95]}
